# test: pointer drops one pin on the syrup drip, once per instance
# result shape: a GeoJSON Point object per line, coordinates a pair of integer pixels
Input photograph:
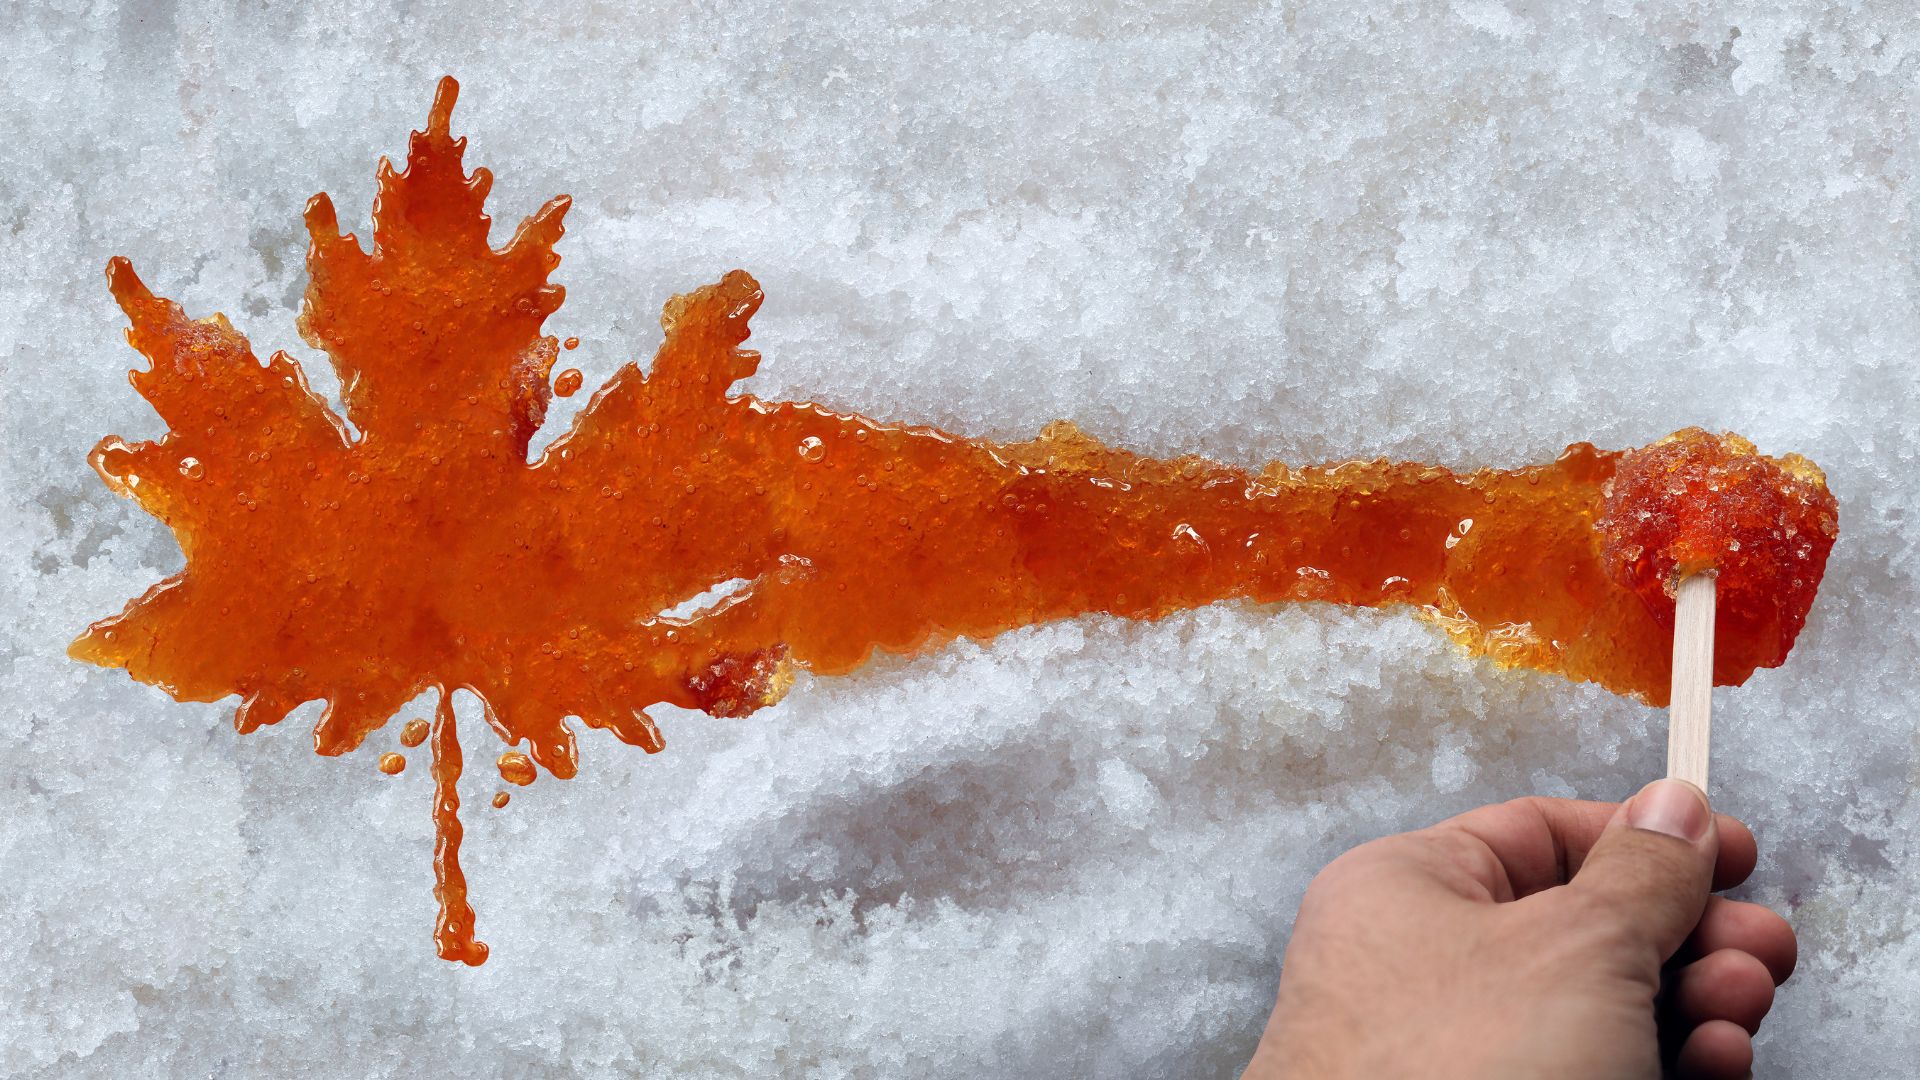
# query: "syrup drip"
{"type": "Point", "coordinates": [516, 768]}
{"type": "Point", "coordinates": [453, 933]}
{"type": "Point", "coordinates": [683, 546]}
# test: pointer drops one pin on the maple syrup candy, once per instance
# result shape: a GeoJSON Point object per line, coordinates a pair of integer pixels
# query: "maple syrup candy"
{"type": "Point", "coordinates": [686, 544]}
{"type": "Point", "coordinates": [1695, 502]}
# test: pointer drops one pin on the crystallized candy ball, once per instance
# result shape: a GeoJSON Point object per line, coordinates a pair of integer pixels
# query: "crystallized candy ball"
{"type": "Point", "coordinates": [1696, 502]}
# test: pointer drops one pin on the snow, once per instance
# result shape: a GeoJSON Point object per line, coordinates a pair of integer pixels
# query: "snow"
{"type": "Point", "coordinates": [1467, 233]}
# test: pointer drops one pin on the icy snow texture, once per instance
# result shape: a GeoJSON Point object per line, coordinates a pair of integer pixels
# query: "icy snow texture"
{"type": "Point", "coordinates": [1467, 233]}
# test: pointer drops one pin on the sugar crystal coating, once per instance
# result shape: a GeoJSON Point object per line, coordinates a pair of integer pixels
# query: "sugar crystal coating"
{"type": "Point", "coordinates": [1695, 502]}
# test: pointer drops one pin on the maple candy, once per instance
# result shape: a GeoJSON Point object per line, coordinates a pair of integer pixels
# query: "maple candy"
{"type": "Point", "coordinates": [516, 768]}
{"type": "Point", "coordinates": [1695, 502]}
{"type": "Point", "coordinates": [687, 545]}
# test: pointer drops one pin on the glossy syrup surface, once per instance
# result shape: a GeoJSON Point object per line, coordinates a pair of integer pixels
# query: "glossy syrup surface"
{"type": "Point", "coordinates": [423, 551]}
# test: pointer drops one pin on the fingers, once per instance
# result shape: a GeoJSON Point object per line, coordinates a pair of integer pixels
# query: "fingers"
{"type": "Point", "coordinates": [1738, 852]}
{"type": "Point", "coordinates": [1649, 872]}
{"type": "Point", "coordinates": [1727, 985]}
{"type": "Point", "coordinates": [1718, 1001]}
{"type": "Point", "coordinates": [1755, 930]}
{"type": "Point", "coordinates": [1717, 1050]}
{"type": "Point", "coordinates": [1540, 843]}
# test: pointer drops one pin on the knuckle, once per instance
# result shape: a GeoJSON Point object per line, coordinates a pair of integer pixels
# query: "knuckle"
{"type": "Point", "coordinates": [1531, 805]}
{"type": "Point", "coordinates": [1346, 866]}
{"type": "Point", "coordinates": [1359, 866]}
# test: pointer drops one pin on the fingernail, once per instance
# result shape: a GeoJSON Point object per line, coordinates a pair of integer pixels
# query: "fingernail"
{"type": "Point", "coordinates": [1673, 808]}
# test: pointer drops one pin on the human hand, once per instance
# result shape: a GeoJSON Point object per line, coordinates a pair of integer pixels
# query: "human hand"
{"type": "Point", "coordinates": [1535, 938]}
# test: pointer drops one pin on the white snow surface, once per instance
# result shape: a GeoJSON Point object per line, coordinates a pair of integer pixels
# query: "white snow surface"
{"type": "Point", "coordinates": [1467, 233]}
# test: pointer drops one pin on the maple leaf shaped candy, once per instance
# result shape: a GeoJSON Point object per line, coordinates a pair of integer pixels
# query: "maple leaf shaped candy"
{"type": "Point", "coordinates": [420, 550]}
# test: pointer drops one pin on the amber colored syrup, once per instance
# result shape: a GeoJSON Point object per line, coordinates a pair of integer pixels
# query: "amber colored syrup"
{"type": "Point", "coordinates": [426, 552]}
{"type": "Point", "coordinates": [500, 799]}
{"type": "Point", "coordinates": [516, 768]}
{"type": "Point", "coordinates": [453, 931]}
{"type": "Point", "coordinates": [392, 764]}
{"type": "Point", "coordinates": [414, 733]}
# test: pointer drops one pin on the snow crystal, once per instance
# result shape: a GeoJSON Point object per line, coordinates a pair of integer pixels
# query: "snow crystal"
{"type": "Point", "coordinates": [1461, 232]}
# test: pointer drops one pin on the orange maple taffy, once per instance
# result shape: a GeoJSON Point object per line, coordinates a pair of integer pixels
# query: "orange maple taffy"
{"type": "Point", "coordinates": [1695, 502]}
{"type": "Point", "coordinates": [428, 553]}
{"type": "Point", "coordinates": [516, 768]}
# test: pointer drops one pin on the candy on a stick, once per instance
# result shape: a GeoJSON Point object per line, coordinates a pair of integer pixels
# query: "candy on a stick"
{"type": "Point", "coordinates": [685, 544]}
{"type": "Point", "coordinates": [1719, 541]}
{"type": "Point", "coordinates": [1696, 502]}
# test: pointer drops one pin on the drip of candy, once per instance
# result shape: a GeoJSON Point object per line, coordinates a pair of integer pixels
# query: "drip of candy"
{"type": "Point", "coordinates": [516, 768]}
{"type": "Point", "coordinates": [680, 545]}
{"type": "Point", "coordinates": [453, 932]}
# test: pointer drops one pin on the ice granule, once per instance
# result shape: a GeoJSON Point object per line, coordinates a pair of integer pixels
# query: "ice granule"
{"type": "Point", "coordinates": [1469, 233]}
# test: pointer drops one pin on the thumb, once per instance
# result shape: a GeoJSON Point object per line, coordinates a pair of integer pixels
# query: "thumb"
{"type": "Point", "coordinates": [1652, 867]}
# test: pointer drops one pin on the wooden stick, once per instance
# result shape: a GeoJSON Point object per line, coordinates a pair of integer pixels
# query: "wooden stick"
{"type": "Point", "coordinates": [1690, 708]}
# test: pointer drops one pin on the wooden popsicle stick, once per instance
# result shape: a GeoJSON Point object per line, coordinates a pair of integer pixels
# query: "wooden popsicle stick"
{"type": "Point", "coordinates": [1690, 707]}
